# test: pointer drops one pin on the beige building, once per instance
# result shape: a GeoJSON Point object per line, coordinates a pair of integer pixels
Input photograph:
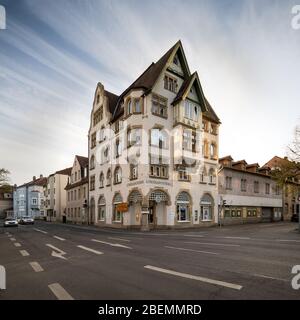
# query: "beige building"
{"type": "Point", "coordinates": [6, 200]}
{"type": "Point", "coordinates": [55, 195]}
{"type": "Point", "coordinates": [153, 150]}
{"type": "Point", "coordinates": [247, 193]}
{"type": "Point", "coordinates": [77, 193]}
{"type": "Point", "coordinates": [291, 190]}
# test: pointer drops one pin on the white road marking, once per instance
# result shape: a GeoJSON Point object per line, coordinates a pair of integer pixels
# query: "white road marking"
{"type": "Point", "coordinates": [39, 230]}
{"type": "Point", "coordinates": [269, 277]}
{"type": "Point", "coordinates": [190, 276]}
{"type": "Point", "coordinates": [17, 244]}
{"type": "Point", "coordinates": [214, 244]}
{"type": "Point", "coordinates": [185, 249]}
{"type": "Point", "coordinates": [12, 239]}
{"type": "Point", "coordinates": [24, 253]}
{"type": "Point", "coordinates": [59, 238]}
{"type": "Point", "coordinates": [120, 239]}
{"type": "Point", "coordinates": [60, 292]}
{"type": "Point", "coordinates": [54, 248]}
{"type": "Point", "coordinates": [9, 235]}
{"type": "Point", "coordinates": [89, 249]}
{"type": "Point", "coordinates": [239, 238]}
{"type": "Point", "coordinates": [36, 266]}
{"type": "Point", "coordinates": [112, 244]}
{"type": "Point", "coordinates": [291, 240]}
{"type": "Point", "coordinates": [194, 236]}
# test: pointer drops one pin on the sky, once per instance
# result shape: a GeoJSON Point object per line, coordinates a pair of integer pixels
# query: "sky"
{"type": "Point", "coordinates": [53, 53]}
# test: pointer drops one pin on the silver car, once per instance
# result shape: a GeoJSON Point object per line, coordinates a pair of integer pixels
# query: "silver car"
{"type": "Point", "coordinates": [10, 222]}
{"type": "Point", "coordinates": [26, 220]}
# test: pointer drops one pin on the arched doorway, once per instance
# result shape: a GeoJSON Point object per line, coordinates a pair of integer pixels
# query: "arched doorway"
{"type": "Point", "coordinates": [135, 200]}
{"type": "Point", "coordinates": [92, 211]}
{"type": "Point", "coordinates": [183, 207]}
{"type": "Point", "coordinates": [206, 207]}
{"type": "Point", "coordinates": [158, 201]}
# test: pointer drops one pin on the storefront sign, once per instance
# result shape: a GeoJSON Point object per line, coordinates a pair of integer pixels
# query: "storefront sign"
{"type": "Point", "coordinates": [122, 207]}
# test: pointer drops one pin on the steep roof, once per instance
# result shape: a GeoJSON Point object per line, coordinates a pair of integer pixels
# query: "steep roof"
{"type": "Point", "coordinates": [210, 113]}
{"type": "Point", "coordinates": [83, 161]}
{"type": "Point", "coordinates": [66, 171]}
{"type": "Point", "coordinates": [148, 78]}
{"type": "Point", "coordinates": [112, 100]}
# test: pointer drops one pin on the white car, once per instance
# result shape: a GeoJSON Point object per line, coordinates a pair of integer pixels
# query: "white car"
{"type": "Point", "coordinates": [10, 222]}
{"type": "Point", "coordinates": [26, 220]}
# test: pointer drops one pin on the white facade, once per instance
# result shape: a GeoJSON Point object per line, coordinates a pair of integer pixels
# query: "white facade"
{"type": "Point", "coordinates": [152, 152]}
{"type": "Point", "coordinates": [55, 195]}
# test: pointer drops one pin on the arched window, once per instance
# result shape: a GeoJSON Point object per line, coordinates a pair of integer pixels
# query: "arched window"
{"type": "Point", "coordinates": [92, 162]}
{"type": "Point", "coordinates": [183, 206]}
{"type": "Point", "coordinates": [117, 215]}
{"type": "Point", "coordinates": [212, 176]}
{"type": "Point", "coordinates": [98, 98]}
{"type": "Point", "coordinates": [203, 175]}
{"type": "Point", "coordinates": [129, 106]}
{"type": "Point", "coordinates": [118, 175]}
{"type": "Point", "coordinates": [101, 180]}
{"type": "Point", "coordinates": [101, 208]}
{"type": "Point", "coordinates": [206, 205]}
{"type": "Point", "coordinates": [108, 177]}
{"type": "Point", "coordinates": [213, 150]}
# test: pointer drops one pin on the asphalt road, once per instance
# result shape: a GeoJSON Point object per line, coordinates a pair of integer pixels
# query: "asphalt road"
{"type": "Point", "coordinates": [56, 261]}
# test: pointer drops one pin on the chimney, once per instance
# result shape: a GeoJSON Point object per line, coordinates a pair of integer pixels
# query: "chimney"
{"type": "Point", "coordinates": [41, 176]}
{"type": "Point", "coordinates": [34, 178]}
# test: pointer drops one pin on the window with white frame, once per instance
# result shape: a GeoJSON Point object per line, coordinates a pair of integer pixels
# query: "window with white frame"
{"type": "Point", "coordinates": [92, 165]}
{"type": "Point", "coordinates": [101, 180]}
{"type": "Point", "coordinates": [183, 207]}
{"type": "Point", "coordinates": [133, 171]}
{"type": "Point", "coordinates": [117, 215]}
{"type": "Point", "coordinates": [118, 175]}
{"type": "Point", "coordinates": [159, 138]}
{"type": "Point", "coordinates": [101, 208]}
{"type": "Point", "coordinates": [134, 137]}
{"type": "Point", "coordinates": [206, 206]}
{"type": "Point", "coordinates": [191, 110]}
{"type": "Point", "coordinates": [159, 105]}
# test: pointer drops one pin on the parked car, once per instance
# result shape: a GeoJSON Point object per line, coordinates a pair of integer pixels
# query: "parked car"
{"type": "Point", "coordinates": [10, 222]}
{"type": "Point", "coordinates": [295, 217]}
{"type": "Point", "coordinates": [26, 220]}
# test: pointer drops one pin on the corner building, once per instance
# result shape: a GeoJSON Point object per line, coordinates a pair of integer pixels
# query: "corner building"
{"type": "Point", "coordinates": [153, 150]}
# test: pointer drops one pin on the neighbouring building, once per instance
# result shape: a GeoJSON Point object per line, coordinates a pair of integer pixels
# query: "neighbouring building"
{"type": "Point", "coordinates": [29, 198]}
{"type": "Point", "coordinates": [291, 189]}
{"type": "Point", "coordinates": [55, 200]}
{"type": "Point", "coordinates": [6, 200]}
{"type": "Point", "coordinates": [153, 150]}
{"type": "Point", "coordinates": [247, 193]}
{"type": "Point", "coordinates": [77, 193]}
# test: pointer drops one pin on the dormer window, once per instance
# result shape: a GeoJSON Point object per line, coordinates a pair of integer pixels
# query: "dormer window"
{"type": "Point", "coordinates": [191, 111]}
{"type": "Point", "coordinates": [133, 106]}
{"type": "Point", "coordinates": [170, 84]}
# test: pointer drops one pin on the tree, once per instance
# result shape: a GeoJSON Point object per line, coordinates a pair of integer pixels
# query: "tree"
{"type": "Point", "coordinates": [294, 148]}
{"type": "Point", "coordinates": [4, 177]}
{"type": "Point", "coordinates": [288, 170]}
